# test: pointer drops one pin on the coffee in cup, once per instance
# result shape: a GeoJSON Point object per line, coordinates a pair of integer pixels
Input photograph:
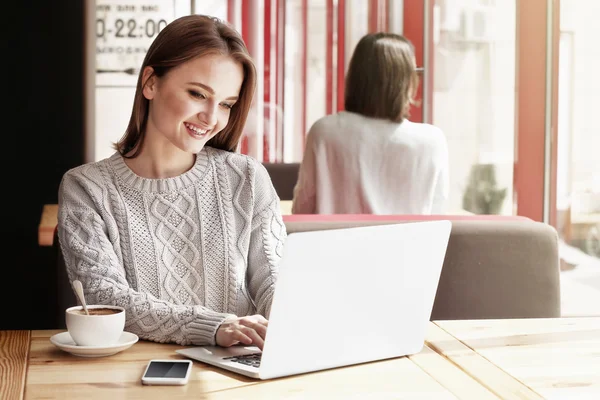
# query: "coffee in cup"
{"type": "Point", "coordinates": [102, 327]}
{"type": "Point", "coordinates": [97, 311]}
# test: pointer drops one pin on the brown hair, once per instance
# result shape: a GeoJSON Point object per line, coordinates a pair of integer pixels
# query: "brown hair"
{"type": "Point", "coordinates": [180, 41]}
{"type": "Point", "coordinates": [381, 80]}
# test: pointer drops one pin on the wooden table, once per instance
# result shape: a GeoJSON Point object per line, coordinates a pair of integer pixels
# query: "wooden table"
{"type": "Point", "coordinates": [48, 222]}
{"type": "Point", "coordinates": [485, 359]}
{"type": "Point", "coordinates": [529, 358]}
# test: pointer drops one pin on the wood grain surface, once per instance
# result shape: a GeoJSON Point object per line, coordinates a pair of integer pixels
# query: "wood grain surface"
{"type": "Point", "coordinates": [558, 358]}
{"type": "Point", "coordinates": [14, 353]}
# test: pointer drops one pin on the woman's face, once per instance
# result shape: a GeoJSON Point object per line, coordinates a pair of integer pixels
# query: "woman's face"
{"type": "Point", "coordinates": [192, 102]}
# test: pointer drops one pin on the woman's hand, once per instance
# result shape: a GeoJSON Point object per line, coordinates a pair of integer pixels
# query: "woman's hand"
{"type": "Point", "coordinates": [248, 330]}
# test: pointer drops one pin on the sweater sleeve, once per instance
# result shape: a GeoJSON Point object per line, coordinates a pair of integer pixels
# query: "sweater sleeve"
{"type": "Point", "coordinates": [267, 237]}
{"type": "Point", "coordinates": [305, 191]}
{"type": "Point", "coordinates": [90, 244]}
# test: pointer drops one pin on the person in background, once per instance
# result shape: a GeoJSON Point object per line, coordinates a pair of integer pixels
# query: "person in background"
{"type": "Point", "coordinates": [175, 226]}
{"type": "Point", "coordinates": [370, 158]}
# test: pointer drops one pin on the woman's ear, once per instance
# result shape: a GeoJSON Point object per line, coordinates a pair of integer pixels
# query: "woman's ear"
{"type": "Point", "coordinates": [148, 83]}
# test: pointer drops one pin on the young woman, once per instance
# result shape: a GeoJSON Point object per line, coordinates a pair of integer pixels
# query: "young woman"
{"type": "Point", "coordinates": [175, 226]}
{"type": "Point", "coordinates": [369, 158]}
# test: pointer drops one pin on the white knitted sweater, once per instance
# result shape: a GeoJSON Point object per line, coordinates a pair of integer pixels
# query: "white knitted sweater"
{"type": "Point", "coordinates": [180, 254]}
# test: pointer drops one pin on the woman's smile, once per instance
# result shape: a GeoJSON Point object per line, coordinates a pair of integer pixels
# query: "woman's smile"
{"type": "Point", "coordinates": [195, 131]}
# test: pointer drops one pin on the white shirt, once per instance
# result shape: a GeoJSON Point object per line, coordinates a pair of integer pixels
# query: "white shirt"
{"type": "Point", "coordinates": [359, 165]}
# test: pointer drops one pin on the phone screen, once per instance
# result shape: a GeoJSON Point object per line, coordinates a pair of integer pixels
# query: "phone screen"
{"type": "Point", "coordinates": [166, 369]}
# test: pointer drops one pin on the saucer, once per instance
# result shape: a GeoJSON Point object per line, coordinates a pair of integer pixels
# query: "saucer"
{"type": "Point", "coordinates": [64, 342]}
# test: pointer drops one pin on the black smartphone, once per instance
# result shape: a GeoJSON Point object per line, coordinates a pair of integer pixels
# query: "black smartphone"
{"type": "Point", "coordinates": [167, 372]}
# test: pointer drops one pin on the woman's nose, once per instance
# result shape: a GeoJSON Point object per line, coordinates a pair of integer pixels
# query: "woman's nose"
{"type": "Point", "coordinates": [209, 114]}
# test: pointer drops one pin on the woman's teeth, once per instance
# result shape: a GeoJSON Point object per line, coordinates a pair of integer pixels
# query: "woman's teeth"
{"type": "Point", "coordinates": [196, 130]}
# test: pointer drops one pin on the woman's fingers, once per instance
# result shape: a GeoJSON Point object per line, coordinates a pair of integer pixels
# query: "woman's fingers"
{"type": "Point", "coordinates": [257, 318]}
{"type": "Point", "coordinates": [257, 340]}
{"type": "Point", "coordinates": [247, 330]}
{"type": "Point", "coordinates": [229, 333]}
{"type": "Point", "coordinates": [237, 336]}
{"type": "Point", "coordinates": [262, 320]}
{"type": "Point", "coordinates": [258, 327]}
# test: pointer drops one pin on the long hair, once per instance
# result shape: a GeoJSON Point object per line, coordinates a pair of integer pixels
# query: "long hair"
{"type": "Point", "coordinates": [381, 80]}
{"type": "Point", "coordinates": [180, 41]}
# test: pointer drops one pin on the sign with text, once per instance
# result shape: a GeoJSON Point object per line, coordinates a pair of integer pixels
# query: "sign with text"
{"type": "Point", "coordinates": [124, 31]}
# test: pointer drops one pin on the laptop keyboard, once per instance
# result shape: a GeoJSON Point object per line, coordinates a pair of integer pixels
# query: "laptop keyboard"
{"type": "Point", "coordinates": [252, 360]}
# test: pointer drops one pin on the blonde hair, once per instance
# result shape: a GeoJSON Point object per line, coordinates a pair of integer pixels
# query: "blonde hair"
{"type": "Point", "coordinates": [180, 41]}
{"type": "Point", "coordinates": [382, 80]}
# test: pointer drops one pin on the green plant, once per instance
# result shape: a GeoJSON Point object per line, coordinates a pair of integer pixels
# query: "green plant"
{"type": "Point", "coordinates": [482, 195]}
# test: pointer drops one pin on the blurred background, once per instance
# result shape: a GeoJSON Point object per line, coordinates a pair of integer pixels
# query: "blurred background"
{"type": "Point", "coordinates": [513, 85]}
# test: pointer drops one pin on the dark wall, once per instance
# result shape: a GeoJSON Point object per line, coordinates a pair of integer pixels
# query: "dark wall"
{"type": "Point", "coordinates": [43, 135]}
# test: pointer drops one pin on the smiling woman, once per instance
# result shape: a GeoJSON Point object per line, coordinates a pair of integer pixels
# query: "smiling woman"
{"type": "Point", "coordinates": [190, 105]}
{"type": "Point", "coordinates": [175, 226]}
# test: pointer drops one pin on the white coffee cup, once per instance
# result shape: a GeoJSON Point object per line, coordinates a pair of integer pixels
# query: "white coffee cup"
{"type": "Point", "coordinates": [103, 327]}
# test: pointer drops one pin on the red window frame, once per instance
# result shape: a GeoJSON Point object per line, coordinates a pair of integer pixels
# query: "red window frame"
{"type": "Point", "coordinates": [536, 97]}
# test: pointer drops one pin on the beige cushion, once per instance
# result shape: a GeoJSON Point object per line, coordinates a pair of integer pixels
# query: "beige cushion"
{"type": "Point", "coordinates": [493, 268]}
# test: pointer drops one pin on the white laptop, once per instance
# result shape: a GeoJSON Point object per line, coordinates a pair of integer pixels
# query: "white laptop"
{"type": "Point", "coordinates": [344, 297]}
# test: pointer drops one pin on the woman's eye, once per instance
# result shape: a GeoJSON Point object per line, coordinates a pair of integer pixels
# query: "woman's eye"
{"type": "Point", "coordinates": [227, 106]}
{"type": "Point", "coordinates": [197, 95]}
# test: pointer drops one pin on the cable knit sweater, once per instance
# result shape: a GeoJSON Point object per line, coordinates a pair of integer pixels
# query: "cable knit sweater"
{"type": "Point", "coordinates": [180, 254]}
